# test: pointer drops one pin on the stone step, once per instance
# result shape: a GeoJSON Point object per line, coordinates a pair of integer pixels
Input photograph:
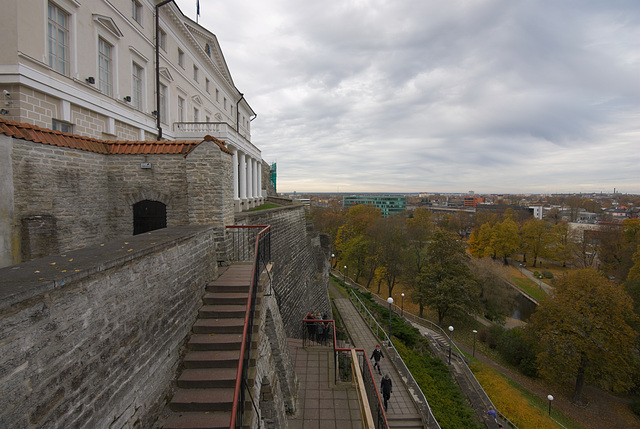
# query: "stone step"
{"type": "Point", "coordinates": [219, 326]}
{"type": "Point", "coordinates": [198, 420]}
{"type": "Point", "coordinates": [204, 378]}
{"type": "Point", "coordinates": [219, 399]}
{"type": "Point", "coordinates": [215, 342]}
{"type": "Point", "coordinates": [218, 298]}
{"type": "Point", "coordinates": [212, 359]}
{"type": "Point", "coordinates": [405, 421]}
{"type": "Point", "coordinates": [222, 311]}
{"type": "Point", "coordinates": [241, 287]}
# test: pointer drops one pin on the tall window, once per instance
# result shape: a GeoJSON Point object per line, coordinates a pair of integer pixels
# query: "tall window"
{"type": "Point", "coordinates": [217, 95]}
{"type": "Point", "coordinates": [196, 115]}
{"type": "Point", "coordinates": [105, 67]}
{"type": "Point", "coordinates": [180, 109]}
{"type": "Point", "coordinates": [162, 42]}
{"type": "Point", "coordinates": [206, 85]}
{"type": "Point", "coordinates": [136, 11]}
{"type": "Point", "coordinates": [58, 39]}
{"type": "Point", "coordinates": [180, 58]}
{"type": "Point", "coordinates": [163, 103]}
{"type": "Point", "coordinates": [196, 74]}
{"type": "Point", "coordinates": [137, 86]}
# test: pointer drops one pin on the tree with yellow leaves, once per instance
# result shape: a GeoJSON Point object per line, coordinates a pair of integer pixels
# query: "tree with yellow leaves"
{"type": "Point", "coordinates": [584, 334]}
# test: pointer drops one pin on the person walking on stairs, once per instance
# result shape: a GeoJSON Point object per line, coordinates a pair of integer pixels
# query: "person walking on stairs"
{"type": "Point", "coordinates": [376, 355]}
{"type": "Point", "coordinates": [387, 389]}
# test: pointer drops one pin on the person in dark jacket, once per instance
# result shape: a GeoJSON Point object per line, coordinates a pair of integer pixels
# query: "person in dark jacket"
{"type": "Point", "coordinates": [376, 355]}
{"type": "Point", "coordinates": [387, 389]}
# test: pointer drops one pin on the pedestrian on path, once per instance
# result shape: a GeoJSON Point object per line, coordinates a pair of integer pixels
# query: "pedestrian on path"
{"type": "Point", "coordinates": [387, 389]}
{"type": "Point", "coordinates": [376, 355]}
{"type": "Point", "coordinates": [492, 413]}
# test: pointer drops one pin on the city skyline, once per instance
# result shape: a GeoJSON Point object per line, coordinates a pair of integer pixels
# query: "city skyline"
{"type": "Point", "coordinates": [494, 96]}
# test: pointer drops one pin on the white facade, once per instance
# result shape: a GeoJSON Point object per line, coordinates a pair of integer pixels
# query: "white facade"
{"type": "Point", "coordinates": [89, 67]}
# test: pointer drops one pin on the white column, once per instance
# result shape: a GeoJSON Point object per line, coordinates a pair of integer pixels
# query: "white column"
{"type": "Point", "coordinates": [235, 174]}
{"type": "Point", "coordinates": [260, 179]}
{"type": "Point", "coordinates": [256, 191]}
{"type": "Point", "coordinates": [243, 177]}
{"type": "Point", "coordinates": [249, 178]}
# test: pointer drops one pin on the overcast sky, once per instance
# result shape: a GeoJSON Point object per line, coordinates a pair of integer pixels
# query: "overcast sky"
{"type": "Point", "coordinates": [494, 96]}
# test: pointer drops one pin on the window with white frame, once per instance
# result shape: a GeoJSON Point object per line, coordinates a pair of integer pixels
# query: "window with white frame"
{"type": "Point", "coordinates": [217, 95]}
{"type": "Point", "coordinates": [180, 109]}
{"type": "Point", "coordinates": [105, 67]}
{"type": "Point", "coordinates": [225, 104]}
{"type": "Point", "coordinates": [58, 39]}
{"type": "Point", "coordinates": [162, 41]}
{"type": "Point", "coordinates": [138, 84]}
{"type": "Point", "coordinates": [64, 127]}
{"type": "Point", "coordinates": [196, 73]}
{"type": "Point", "coordinates": [206, 85]}
{"type": "Point", "coordinates": [231, 107]}
{"type": "Point", "coordinates": [180, 58]}
{"type": "Point", "coordinates": [207, 119]}
{"type": "Point", "coordinates": [196, 115]}
{"type": "Point", "coordinates": [163, 103]}
{"type": "Point", "coordinates": [136, 11]}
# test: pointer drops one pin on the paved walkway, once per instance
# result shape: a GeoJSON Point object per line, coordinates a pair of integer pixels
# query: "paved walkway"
{"type": "Point", "coordinates": [321, 404]}
{"type": "Point", "coordinates": [401, 407]}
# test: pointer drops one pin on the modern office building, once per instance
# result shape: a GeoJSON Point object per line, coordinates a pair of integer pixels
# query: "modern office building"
{"type": "Point", "coordinates": [131, 70]}
{"type": "Point", "coordinates": [388, 204]}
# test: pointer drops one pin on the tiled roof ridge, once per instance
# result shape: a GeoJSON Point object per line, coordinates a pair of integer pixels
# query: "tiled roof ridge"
{"type": "Point", "coordinates": [47, 136]}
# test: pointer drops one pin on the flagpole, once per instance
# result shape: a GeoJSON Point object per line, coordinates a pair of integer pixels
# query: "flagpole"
{"type": "Point", "coordinates": [197, 10]}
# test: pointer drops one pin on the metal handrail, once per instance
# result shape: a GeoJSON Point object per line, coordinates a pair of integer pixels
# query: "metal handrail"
{"type": "Point", "coordinates": [397, 358]}
{"type": "Point", "coordinates": [262, 245]}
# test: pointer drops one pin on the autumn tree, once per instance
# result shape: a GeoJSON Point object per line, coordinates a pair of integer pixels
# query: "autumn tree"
{"type": "Point", "coordinates": [420, 226]}
{"type": "Point", "coordinates": [446, 283]}
{"type": "Point", "coordinates": [391, 235]}
{"type": "Point", "coordinates": [497, 297]}
{"type": "Point", "coordinates": [505, 239]}
{"type": "Point", "coordinates": [480, 241]}
{"type": "Point", "coordinates": [583, 333]}
{"type": "Point", "coordinates": [535, 238]}
{"type": "Point", "coordinates": [353, 241]}
{"type": "Point", "coordinates": [561, 244]}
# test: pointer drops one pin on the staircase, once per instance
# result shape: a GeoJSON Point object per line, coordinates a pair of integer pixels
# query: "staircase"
{"type": "Point", "coordinates": [204, 394]}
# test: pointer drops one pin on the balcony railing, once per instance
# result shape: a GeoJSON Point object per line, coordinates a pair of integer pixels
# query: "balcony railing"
{"type": "Point", "coordinates": [220, 130]}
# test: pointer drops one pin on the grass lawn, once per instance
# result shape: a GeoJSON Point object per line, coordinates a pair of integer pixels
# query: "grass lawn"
{"type": "Point", "coordinates": [264, 207]}
{"type": "Point", "coordinates": [522, 407]}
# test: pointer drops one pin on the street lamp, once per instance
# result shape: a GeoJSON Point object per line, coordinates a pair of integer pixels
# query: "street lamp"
{"type": "Point", "coordinates": [402, 307]}
{"type": "Point", "coordinates": [474, 342]}
{"type": "Point", "coordinates": [332, 259]}
{"type": "Point", "coordinates": [540, 281]}
{"type": "Point", "coordinates": [550, 398]}
{"type": "Point", "coordinates": [521, 273]}
{"type": "Point", "coordinates": [450, 341]}
{"type": "Point", "coordinates": [390, 301]}
{"type": "Point", "coordinates": [344, 274]}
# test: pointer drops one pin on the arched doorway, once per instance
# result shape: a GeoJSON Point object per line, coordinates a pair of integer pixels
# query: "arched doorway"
{"type": "Point", "coordinates": [148, 216]}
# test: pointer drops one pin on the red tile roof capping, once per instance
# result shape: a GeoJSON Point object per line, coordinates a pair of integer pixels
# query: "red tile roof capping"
{"type": "Point", "coordinates": [56, 138]}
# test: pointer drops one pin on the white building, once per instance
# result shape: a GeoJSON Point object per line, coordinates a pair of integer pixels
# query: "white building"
{"type": "Point", "coordinates": [89, 68]}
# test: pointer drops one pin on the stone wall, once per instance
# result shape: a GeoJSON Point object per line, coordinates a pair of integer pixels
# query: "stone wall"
{"type": "Point", "coordinates": [301, 264]}
{"type": "Point", "coordinates": [88, 197]}
{"type": "Point", "coordinates": [90, 339]}
{"type": "Point", "coordinates": [68, 185]}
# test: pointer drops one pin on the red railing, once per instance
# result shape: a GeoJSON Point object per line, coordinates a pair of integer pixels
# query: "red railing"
{"type": "Point", "coordinates": [261, 256]}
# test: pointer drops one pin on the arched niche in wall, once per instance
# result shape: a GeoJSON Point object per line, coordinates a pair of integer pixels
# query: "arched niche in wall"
{"type": "Point", "coordinates": [148, 216]}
